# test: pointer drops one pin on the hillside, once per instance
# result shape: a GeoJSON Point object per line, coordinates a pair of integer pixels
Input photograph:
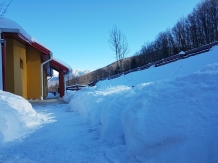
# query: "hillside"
{"type": "Point", "coordinates": [179, 68]}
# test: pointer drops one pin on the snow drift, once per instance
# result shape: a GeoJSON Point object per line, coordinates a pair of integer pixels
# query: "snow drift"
{"type": "Point", "coordinates": [165, 121]}
{"type": "Point", "coordinates": [17, 117]}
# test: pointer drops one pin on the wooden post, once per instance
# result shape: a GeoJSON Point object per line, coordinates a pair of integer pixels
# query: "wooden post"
{"type": "Point", "coordinates": [61, 83]}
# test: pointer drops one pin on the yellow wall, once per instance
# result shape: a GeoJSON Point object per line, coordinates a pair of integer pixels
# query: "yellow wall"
{"type": "Point", "coordinates": [23, 70]}
{"type": "Point", "coordinates": [20, 74]}
{"type": "Point", "coordinates": [16, 77]}
{"type": "Point", "coordinates": [33, 73]}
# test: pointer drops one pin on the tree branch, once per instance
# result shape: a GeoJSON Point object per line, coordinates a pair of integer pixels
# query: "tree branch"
{"type": "Point", "coordinates": [3, 8]}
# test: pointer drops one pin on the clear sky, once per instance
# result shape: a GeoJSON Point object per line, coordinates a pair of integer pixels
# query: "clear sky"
{"type": "Point", "coordinates": [77, 31]}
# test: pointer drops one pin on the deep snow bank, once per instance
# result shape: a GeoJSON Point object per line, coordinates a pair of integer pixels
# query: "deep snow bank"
{"type": "Point", "coordinates": [17, 117]}
{"type": "Point", "coordinates": [167, 121]}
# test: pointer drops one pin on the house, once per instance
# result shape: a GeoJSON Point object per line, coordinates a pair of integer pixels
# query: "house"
{"type": "Point", "coordinates": [26, 63]}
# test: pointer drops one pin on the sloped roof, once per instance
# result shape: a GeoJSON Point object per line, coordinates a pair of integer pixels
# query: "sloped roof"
{"type": "Point", "coordinates": [57, 64]}
{"type": "Point", "coordinates": [9, 26]}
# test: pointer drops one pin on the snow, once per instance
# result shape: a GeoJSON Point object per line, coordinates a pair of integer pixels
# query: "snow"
{"type": "Point", "coordinates": [182, 52]}
{"type": "Point", "coordinates": [18, 118]}
{"type": "Point", "coordinates": [66, 140]}
{"type": "Point", "coordinates": [162, 114]}
{"type": "Point", "coordinates": [166, 121]}
{"type": "Point", "coordinates": [78, 72]}
{"type": "Point", "coordinates": [33, 40]}
{"type": "Point", "coordinates": [8, 25]}
{"type": "Point", "coordinates": [64, 64]}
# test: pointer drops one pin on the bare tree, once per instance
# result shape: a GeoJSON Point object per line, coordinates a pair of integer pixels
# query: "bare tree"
{"type": "Point", "coordinates": [119, 44]}
{"type": "Point", "coordinates": [3, 7]}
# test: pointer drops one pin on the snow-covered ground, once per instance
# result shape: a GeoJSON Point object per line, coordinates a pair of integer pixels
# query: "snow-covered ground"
{"type": "Point", "coordinates": [18, 118]}
{"type": "Point", "coordinates": [167, 121]}
{"type": "Point", "coordinates": [67, 139]}
{"type": "Point", "coordinates": [160, 115]}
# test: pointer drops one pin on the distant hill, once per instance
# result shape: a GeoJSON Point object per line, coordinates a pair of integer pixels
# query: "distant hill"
{"type": "Point", "coordinates": [75, 73]}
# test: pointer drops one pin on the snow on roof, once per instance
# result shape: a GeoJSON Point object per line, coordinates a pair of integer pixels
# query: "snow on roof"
{"type": "Point", "coordinates": [63, 63]}
{"type": "Point", "coordinates": [33, 40]}
{"type": "Point", "coordinates": [7, 25]}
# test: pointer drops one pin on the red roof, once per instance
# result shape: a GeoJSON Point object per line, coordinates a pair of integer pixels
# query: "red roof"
{"type": "Point", "coordinates": [40, 48]}
{"type": "Point", "coordinates": [56, 66]}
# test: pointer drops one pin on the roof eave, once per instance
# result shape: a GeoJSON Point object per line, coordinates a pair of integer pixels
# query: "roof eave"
{"type": "Point", "coordinates": [10, 30]}
{"type": "Point", "coordinates": [57, 64]}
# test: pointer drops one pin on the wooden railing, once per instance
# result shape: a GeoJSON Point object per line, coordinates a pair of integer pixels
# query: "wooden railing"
{"type": "Point", "coordinates": [75, 87]}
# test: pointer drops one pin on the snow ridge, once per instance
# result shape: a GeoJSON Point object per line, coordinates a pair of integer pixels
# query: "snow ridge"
{"type": "Point", "coordinates": [166, 121]}
{"type": "Point", "coordinates": [17, 117]}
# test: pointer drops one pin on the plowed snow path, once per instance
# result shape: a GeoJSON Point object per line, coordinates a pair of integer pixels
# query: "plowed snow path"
{"type": "Point", "coordinates": [67, 139]}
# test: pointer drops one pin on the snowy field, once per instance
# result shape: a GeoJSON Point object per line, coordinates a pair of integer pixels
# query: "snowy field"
{"type": "Point", "coordinates": [167, 114]}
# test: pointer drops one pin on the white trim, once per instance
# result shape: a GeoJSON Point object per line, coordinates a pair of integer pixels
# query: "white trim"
{"type": "Point", "coordinates": [51, 57]}
{"type": "Point", "coordinates": [9, 30]}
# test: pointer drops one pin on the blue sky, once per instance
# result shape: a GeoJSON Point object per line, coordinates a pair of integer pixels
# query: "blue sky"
{"type": "Point", "coordinates": [77, 31]}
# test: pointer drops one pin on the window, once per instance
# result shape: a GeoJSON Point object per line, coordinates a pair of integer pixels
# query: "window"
{"type": "Point", "coordinates": [21, 63]}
